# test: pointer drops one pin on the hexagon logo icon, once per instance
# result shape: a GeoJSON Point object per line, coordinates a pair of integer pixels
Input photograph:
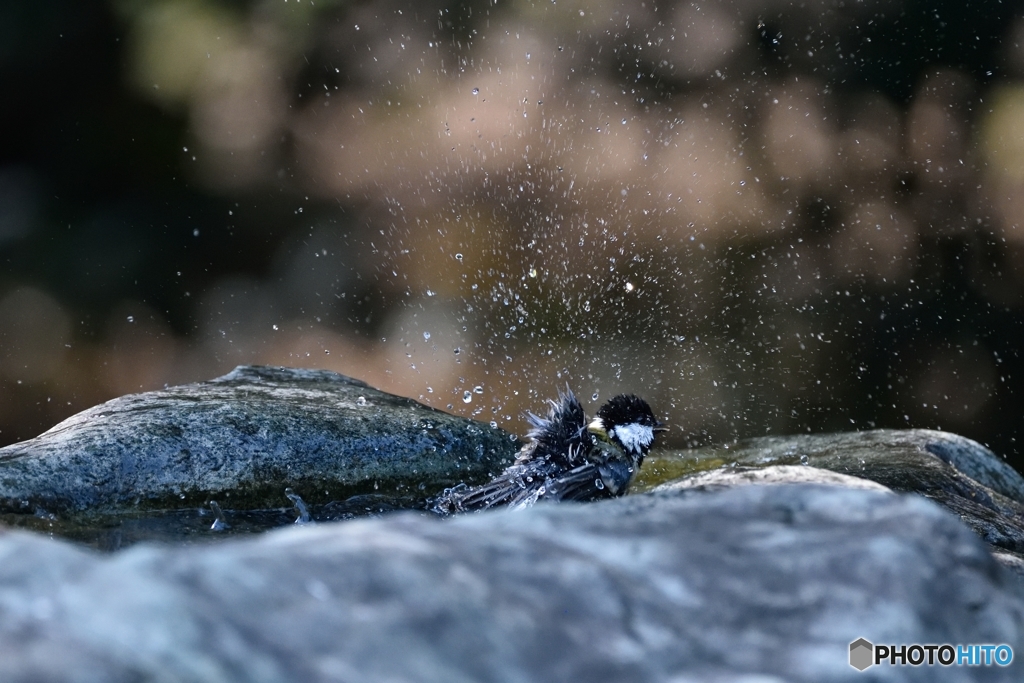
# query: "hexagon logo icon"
{"type": "Point", "coordinates": [862, 654]}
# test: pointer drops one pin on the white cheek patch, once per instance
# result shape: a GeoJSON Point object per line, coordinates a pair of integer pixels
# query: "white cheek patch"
{"type": "Point", "coordinates": [635, 437]}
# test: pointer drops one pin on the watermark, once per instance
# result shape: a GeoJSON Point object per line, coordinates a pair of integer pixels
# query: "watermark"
{"type": "Point", "coordinates": [863, 654]}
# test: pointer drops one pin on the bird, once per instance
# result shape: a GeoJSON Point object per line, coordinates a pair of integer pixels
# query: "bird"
{"type": "Point", "coordinates": [567, 458]}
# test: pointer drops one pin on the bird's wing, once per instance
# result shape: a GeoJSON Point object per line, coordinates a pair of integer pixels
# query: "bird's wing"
{"type": "Point", "coordinates": [520, 487]}
{"type": "Point", "coordinates": [580, 484]}
{"type": "Point", "coordinates": [497, 493]}
{"type": "Point", "coordinates": [557, 443]}
{"type": "Point", "coordinates": [508, 488]}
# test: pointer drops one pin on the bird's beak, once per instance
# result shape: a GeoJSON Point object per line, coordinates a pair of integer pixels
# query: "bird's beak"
{"type": "Point", "coordinates": [596, 427]}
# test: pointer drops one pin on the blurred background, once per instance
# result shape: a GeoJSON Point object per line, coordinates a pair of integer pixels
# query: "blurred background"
{"type": "Point", "coordinates": [765, 217]}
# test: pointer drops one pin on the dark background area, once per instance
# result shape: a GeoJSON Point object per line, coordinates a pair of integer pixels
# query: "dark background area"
{"type": "Point", "coordinates": [767, 217]}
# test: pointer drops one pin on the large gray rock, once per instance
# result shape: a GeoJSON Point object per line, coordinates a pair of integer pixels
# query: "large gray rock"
{"type": "Point", "coordinates": [766, 583]}
{"type": "Point", "coordinates": [243, 439]}
{"type": "Point", "coordinates": [707, 577]}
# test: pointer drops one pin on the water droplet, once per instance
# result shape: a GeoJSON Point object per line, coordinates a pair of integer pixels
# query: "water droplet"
{"type": "Point", "coordinates": [803, 459]}
{"type": "Point", "coordinates": [594, 397]}
{"type": "Point", "coordinates": [195, 233]}
{"type": "Point", "coordinates": [476, 91]}
{"type": "Point", "coordinates": [599, 483]}
{"type": "Point", "coordinates": [275, 327]}
{"type": "Point", "coordinates": [467, 397]}
{"type": "Point", "coordinates": [131, 318]}
{"type": "Point", "coordinates": [361, 401]}
{"type": "Point", "coordinates": [457, 351]}
{"type": "Point", "coordinates": [494, 425]}
{"type": "Point", "coordinates": [458, 257]}
{"type": "Point", "coordinates": [629, 287]}
{"type": "Point", "coordinates": [478, 389]}
{"type": "Point", "coordinates": [533, 272]}
{"type": "Point", "coordinates": [426, 336]}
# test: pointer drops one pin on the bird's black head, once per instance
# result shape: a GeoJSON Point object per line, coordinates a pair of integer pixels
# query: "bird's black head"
{"type": "Point", "coordinates": [627, 421]}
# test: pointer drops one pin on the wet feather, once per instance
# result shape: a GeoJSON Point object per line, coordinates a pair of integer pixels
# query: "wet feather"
{"type": "Point", "coordinates": [564, 460]}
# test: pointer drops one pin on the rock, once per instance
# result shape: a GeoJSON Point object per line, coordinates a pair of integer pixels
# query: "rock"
{"type": "Point", "coordinates": [881, 455]}
{"type": "Point", "coordinates": [760, 582]}
{"type": "Point", "coordinates": [773, 474]}
{"type": "Point", "coordinates": [244, 438]}
{"type": "Point", "coordinates": [967, 456]}
{"type": "Point", "coordinates": [959, 474]}
{"type": "Point", "coordinates": [704, 578]}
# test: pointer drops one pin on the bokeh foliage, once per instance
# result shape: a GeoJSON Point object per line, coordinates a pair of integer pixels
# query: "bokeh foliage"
{"type": "Point", "coordinates": [766, 217]}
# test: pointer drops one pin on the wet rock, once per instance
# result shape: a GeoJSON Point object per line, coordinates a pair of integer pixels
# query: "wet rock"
{"type": "Point", "coordinates": [959, 474]}
{"type": "Point", "coordinates": [703, 578]}
{"type": "Point", "coordinates": [903, 459]}
{"type": "Point", "coordinates": [771, 582]}
{"type": "Point", "coordinates": [243, 439]}
{"type": "Point", "coordinates": [773, 474]}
